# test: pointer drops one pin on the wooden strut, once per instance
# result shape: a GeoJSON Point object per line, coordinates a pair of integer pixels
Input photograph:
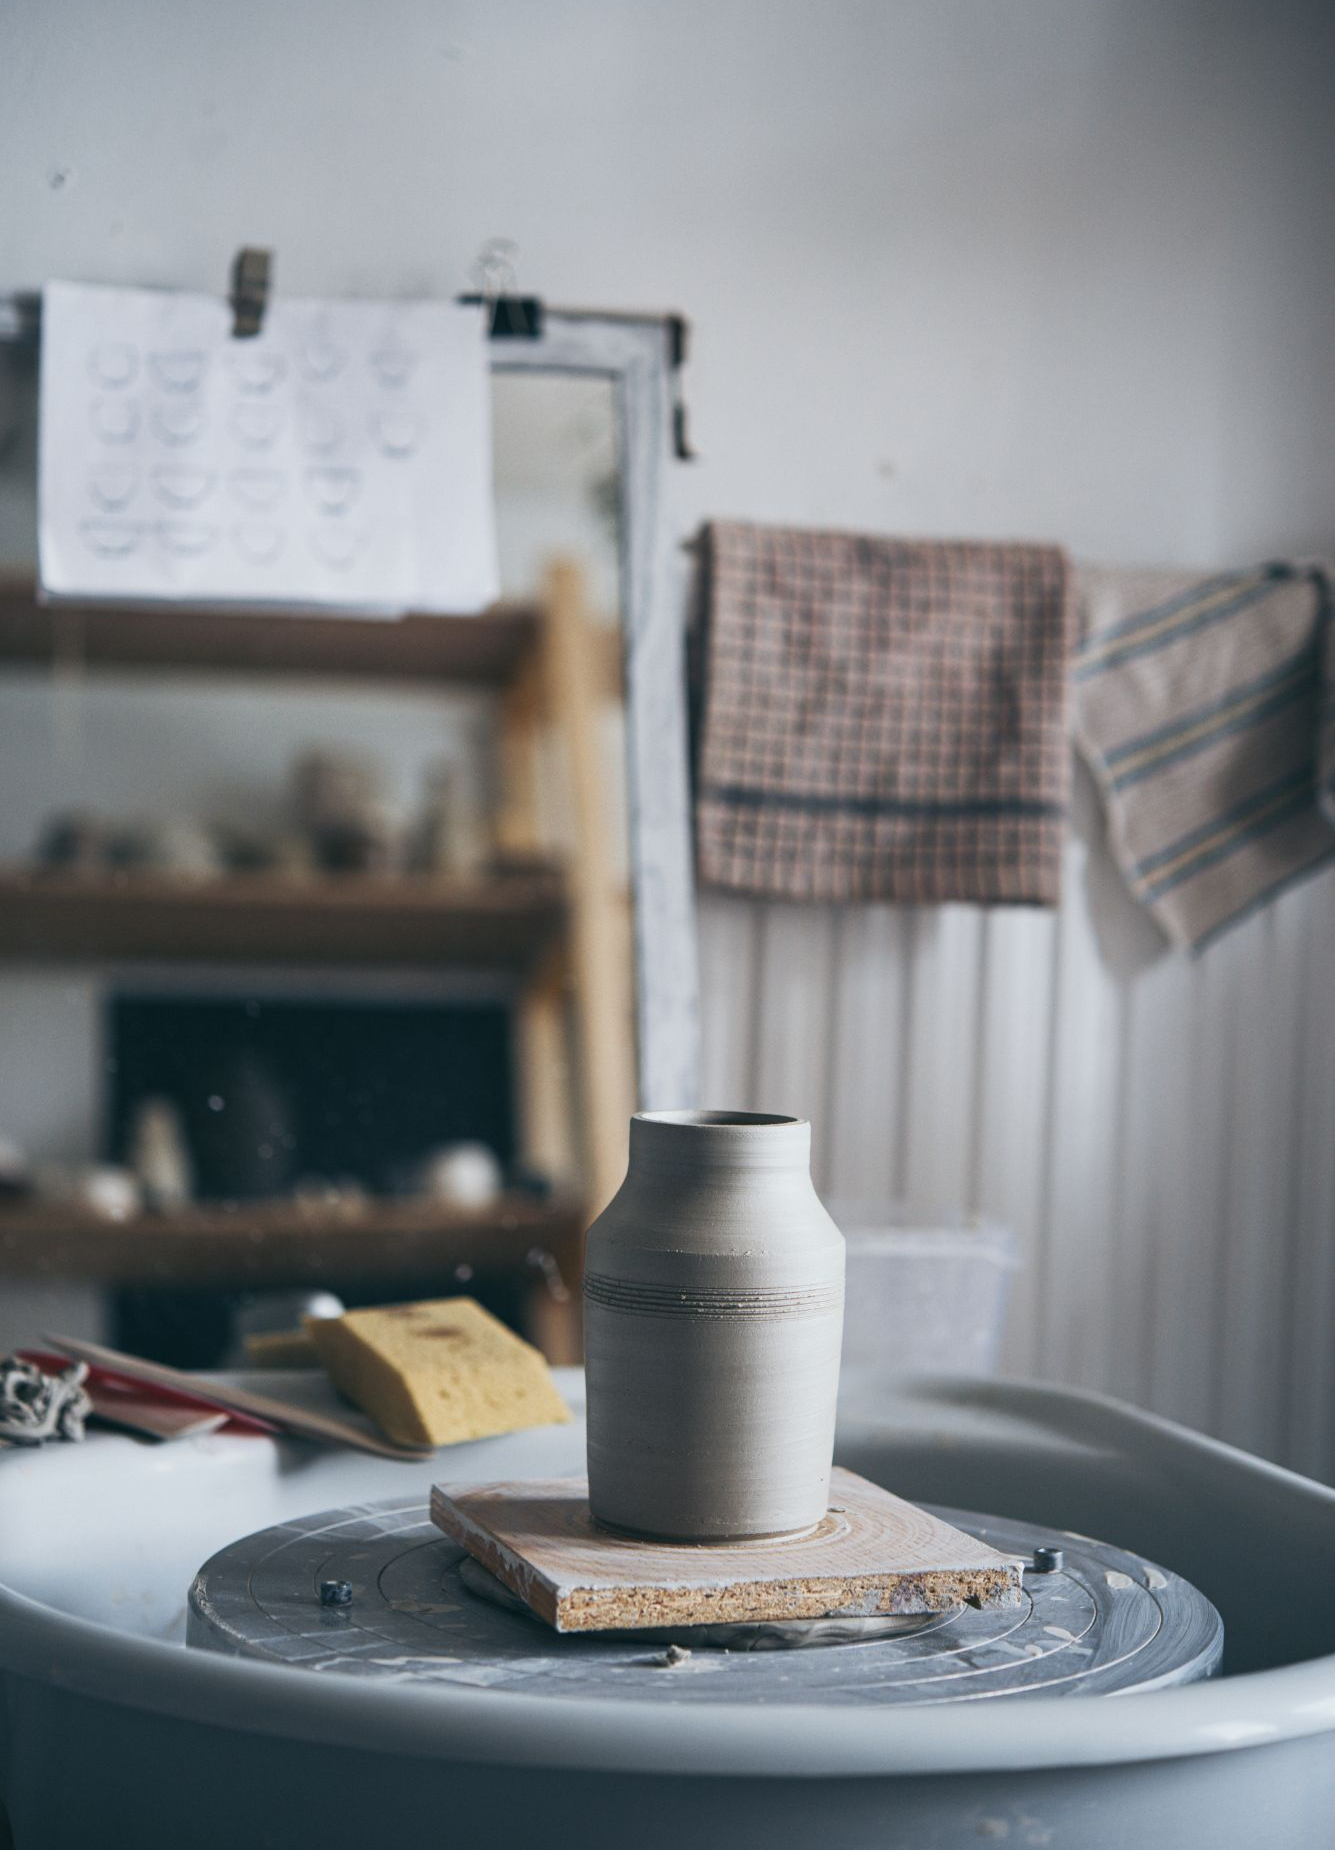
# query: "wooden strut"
{"type": "Point", "coordinates": [575, 1027]}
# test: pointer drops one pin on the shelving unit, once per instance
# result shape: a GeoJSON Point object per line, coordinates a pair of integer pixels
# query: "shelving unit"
{"type": "Point", "coordinates": [500, 923]}
{"type": "Point", "coordinates": [484, 650]}
{"type": "Point", "coordinates": [488, 650]}
{"type": "Point", "coordinates": [285, 1243]}
{"type": "Point", "coordinates": [561, 927]}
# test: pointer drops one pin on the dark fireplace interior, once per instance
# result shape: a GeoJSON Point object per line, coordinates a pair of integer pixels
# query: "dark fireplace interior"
{"type": "Point", "coordinates": [276, 1094]}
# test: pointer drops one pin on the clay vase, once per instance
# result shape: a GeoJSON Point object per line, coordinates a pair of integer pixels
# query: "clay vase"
{"type": "Point", "coordinates": [713, 1314]}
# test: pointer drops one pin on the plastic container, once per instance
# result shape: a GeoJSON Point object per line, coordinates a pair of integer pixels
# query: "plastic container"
{"type": "Point", "coordinates": [926, 1293]}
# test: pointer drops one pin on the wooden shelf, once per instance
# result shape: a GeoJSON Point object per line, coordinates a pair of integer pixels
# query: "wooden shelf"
{"type": "Point", "coordinates": [484, 649]}
{"type": "Point", "coordinates": [286, 1243]}
{"type": "Point", "coordinates": [503, 922]}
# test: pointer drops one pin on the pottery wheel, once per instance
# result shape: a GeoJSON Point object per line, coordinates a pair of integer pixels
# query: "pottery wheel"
{"type": "Point", "coordinates": [1105, 1622]}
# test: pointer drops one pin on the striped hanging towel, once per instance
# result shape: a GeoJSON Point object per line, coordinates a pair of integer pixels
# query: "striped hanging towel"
{"type": "Point", "coordinates": [1203, 707]}
{"type": "Point", "coordinates": [881, 718]}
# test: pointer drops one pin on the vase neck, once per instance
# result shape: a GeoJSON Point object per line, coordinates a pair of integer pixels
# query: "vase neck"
{"type": "Point", "coordinates": [719, 1142]}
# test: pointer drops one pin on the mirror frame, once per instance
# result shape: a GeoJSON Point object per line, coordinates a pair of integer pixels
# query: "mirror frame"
{"type": "Point", "coordinates": [635, 353]}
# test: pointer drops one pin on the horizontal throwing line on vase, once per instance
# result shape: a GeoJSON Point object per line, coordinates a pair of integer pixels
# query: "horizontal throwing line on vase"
{"type": "Point", "coordinates": [644, 1300]}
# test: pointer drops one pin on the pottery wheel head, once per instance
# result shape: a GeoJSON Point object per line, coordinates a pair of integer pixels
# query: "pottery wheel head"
{"type": "Point", "coordinates": [377, 1591]}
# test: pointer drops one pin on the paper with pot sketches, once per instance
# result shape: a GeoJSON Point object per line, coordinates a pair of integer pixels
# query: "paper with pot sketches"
{"type": "Point", "coordinates": [341, 458]}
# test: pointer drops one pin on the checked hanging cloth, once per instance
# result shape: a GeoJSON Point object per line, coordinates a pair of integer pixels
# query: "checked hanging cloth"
{"type": "Point", "coordinates": [882, 718]}
{"type": "Point", "coordinates": [1203, 707]}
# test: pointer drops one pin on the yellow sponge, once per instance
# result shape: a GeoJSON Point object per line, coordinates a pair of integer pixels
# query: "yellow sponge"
{"type": "Point", "coordinates": [437, 1372]}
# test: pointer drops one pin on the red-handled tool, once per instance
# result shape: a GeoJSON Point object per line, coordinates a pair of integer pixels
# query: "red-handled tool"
{"type": "Point", "coordinates": [261, 1409]}
{"type": "Point", "coordinates": [140, 1406]}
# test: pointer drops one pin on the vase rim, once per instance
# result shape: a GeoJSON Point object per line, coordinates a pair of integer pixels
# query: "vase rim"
{"type": "Point", "coordinates": [721, 1120]}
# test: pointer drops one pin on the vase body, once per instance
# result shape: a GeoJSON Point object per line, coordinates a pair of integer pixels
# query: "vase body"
{"type": "Point", "coordinates": [713, 1315]}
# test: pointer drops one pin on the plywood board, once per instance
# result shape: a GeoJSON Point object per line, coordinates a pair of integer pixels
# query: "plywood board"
{"type": "Point", "coordinates": [873, 1553]}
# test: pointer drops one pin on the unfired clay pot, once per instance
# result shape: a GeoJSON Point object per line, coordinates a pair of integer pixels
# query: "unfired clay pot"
{"type": "Point", "coordinates": [713, 1311]}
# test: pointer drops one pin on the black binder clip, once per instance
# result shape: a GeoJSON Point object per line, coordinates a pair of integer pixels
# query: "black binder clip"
{"type": "Point", "coordinates": [509, 316]}
{"type": "Point", "coordinates": [250, 292]}
{"type": "Point", "coordinates": [516, 317]}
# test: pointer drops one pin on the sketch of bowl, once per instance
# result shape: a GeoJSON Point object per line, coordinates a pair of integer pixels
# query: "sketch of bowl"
{"type": "Point", "coordinates": [179, 371]}
{"type": "Point", "coordinates": [393, 366]}
{"type": "Point", "coordinates": [258, 489]}
{"type": "Point", "coordinates": [111, 539]}
{"type": "Point", "coordinates": [178, 421]}
{"type": "Point", "coordinates": [256, 370]}
{"type": "Point", "coordinates": [319, 360]}
{"type": "Point", "coordinates": [256, 425]}
{"type": "Point", "coordinates": [257, 542]}
{"type": "Point", "coordinates": [336, 543]}
{"type": "Point", "coordinates": [333, 491]}
{"type": "Point", "coordinates": [321, 430]}
{"type": "Point", "coordinates": [112, 485]}
{"type": "Point", "coordinates": [113, 364]}
{"type": "Point", "coordinates": [399, 433]}
{"type": "Point", "coordinates": [181, 486]}
{"type": "Point", "coordinates": [185, 539]}
{"type": "Point", "coordinates": [115, 420]}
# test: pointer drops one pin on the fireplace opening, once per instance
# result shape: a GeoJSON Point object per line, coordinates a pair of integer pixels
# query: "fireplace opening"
{"type": "Point", "coordinates": [328, 1103]}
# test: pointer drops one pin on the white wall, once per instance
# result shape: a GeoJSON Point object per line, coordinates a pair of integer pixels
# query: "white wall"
{"type": "Point", "coordinates": [1058, 268]}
